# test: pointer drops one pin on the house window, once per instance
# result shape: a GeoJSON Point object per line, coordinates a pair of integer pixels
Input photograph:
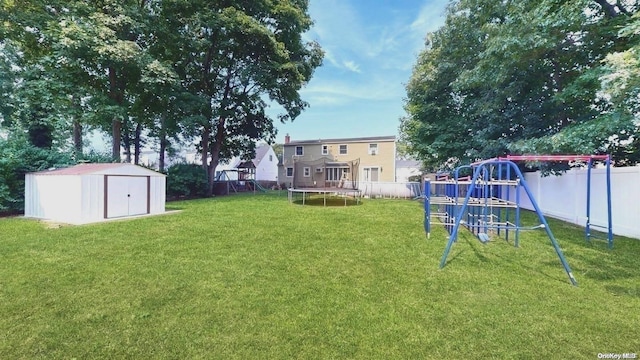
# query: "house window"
{"type": "Point", "coordinates": [270, 157]}
{"type": "Point", "coordinates": [336, 174]}
{"type": "Point", "coordinates": [289, 172]}
{"type": "Point", "coordinates": [343, 149]}
{"type": "Point", "coordinates": [371, 174]}
{"type": "Point", "coordinates": [373, 149]}
{"type": "Point", "coordinates": [299, 150]}
{"type": "Point", "coordinates": [306, 171]}
{"type": "Point", "coordinates": [325, 149]}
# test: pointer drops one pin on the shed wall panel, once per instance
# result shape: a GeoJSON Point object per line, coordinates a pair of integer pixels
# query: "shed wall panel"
{"type": "Point", "coordinates": [53, 197]}
{"type": "Point", "coordinates": [31, 197]}
{"type": "Point", "coordinates": [92, 198]}
{"type": "Point", "coordinates": [157, 195]}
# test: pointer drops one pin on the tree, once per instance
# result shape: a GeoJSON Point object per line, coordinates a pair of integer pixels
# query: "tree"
{"type": "Point", "coordinates": [168, 69]}
{"type": "Point", "coordinates": [520, 77]}
{"type": "Point", "coordinates": [436, 129]}
{"type": "Point", "coordinates": [234, 57]}
{"type": "Point", "coordinates": [104, 43]}
{"type": "Point", "coordinates": [621, 84]}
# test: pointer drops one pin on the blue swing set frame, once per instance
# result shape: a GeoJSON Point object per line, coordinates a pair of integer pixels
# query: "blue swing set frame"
{"type": "Point", "coordinates": [486, 205]}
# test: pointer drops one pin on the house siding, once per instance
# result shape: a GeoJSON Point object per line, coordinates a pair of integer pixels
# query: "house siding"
{"type": "Point", "coordinates": [357, 148]}
{"type": "Point", "coordinates": [267, 167]}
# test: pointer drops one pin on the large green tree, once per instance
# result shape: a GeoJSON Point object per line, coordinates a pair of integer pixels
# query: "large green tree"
{"type": "Point", "coordinates": [166, 69]}
{"type": "Point", "coordinates": [237, 57]}
{"type": "Point", "coordinates": [523, 77]}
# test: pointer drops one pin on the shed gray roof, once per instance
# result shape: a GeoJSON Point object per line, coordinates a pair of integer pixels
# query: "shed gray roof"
{"type": "Point", "coordinates": [95, 168]}
{"type": "Point", "coordinates": [342, 140]}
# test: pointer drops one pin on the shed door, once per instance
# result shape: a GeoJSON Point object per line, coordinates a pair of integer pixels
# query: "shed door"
{"type": "Point", "coordinates": [126, 196]}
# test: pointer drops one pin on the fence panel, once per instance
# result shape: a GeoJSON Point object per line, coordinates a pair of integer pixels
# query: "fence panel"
{"type": "Point", "coordinates": [565, 197]}
{"type": "Point", "coordinates": [404, 190]}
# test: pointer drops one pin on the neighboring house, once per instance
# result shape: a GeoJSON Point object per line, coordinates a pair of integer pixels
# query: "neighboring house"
{"type": "Point", "coordinates": [151, 158]}
{"type": "Point", "coordinates": [338, 162]}
{"type": "Point", "coordinates": [406, 169]}
{"type": "Point", "coordinates": [264, 167]}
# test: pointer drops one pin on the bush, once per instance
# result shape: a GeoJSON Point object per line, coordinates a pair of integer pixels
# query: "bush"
{"type": "Point", "coordinates": [17, 158]}
{"type": "Point", "coordinates": [186, 180]}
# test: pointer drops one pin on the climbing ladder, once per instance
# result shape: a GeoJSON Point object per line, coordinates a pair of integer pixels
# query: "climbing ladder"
{"type": "Point", "coordinates": [485, 206]}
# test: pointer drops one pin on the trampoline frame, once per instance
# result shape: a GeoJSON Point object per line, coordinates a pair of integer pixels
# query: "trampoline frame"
{"type": "Point", "coordinates": [355, 193]}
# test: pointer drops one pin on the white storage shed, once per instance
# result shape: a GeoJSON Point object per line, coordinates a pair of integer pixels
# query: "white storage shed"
{"type": "Point", "coordinates": [89, 193]}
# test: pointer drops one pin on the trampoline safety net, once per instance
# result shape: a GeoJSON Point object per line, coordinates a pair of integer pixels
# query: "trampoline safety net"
{"type": "Point", "coordinates": [325, 173]}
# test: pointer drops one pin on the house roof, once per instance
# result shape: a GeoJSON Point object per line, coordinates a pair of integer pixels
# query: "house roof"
{"type": "Point", "coordinates": [97, 168]}
{"type": "Point", "coordinates": [408, 164]}
{"type": "Point", "coordinates": [342, 140]}
{"type": "Point", "coordinates": [261, 151]}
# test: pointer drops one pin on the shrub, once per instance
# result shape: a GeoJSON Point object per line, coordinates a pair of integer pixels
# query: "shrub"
{"type": "Point", "coordinates": [186, 180]}
{"type": "Point", "coordinates": [17, 158]}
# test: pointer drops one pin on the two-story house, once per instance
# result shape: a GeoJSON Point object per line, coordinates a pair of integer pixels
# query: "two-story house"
{"type": "Point", "coordinates": [343, 162]}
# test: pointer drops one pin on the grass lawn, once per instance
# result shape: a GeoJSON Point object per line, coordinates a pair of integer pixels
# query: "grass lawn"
{"type": "Point", "coordinates": [254, 277]}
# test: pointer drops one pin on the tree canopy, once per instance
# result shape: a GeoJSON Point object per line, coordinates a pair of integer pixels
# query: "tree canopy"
{"type": "Point", "coordinates": [161, 71]}
{"type": "Point", "coordinates": [526, 76]}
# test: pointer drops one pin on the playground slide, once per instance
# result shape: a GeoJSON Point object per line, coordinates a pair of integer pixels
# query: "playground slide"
{"type": "Point", "coordinates": [257, 185]}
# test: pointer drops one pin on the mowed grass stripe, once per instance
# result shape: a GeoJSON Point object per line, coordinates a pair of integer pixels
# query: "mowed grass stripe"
{"type": "Point", "coordinates": [252, 276]}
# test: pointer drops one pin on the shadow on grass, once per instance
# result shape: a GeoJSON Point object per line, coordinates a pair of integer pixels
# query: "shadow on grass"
{"type": "Point", "coordinates": [596, 261]}
{"type": "Point", "coordinates": [474, 243]}
{"type": "Point", "coordinates": [633, 291]}
{"type": "Point", "coordinates": [174, 208]}
{"type": "Point", "coordinates": [452, 258]}
{"type": "Point", "coordinates": [500, 260]}
{"type": "Point", "coordinates": [554, 264]}
{"type": "Point", "coordinates": [334, 202]}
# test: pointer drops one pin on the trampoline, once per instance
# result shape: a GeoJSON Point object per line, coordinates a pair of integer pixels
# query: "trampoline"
{"type": "Point", "coordinates": [306, 193]}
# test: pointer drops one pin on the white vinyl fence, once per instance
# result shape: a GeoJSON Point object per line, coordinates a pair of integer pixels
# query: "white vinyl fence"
{"type": "Point", "coordinates": [565, 197]}
{"type": "Point", "coordinates": [405, 190]}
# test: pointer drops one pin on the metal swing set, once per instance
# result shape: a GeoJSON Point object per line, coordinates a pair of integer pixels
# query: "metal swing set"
{"type": "Point", "coordinates": [482, 202]}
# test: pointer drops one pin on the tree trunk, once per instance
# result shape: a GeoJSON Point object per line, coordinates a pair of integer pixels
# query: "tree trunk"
{"type": "Point", "coordinates": [136, 144]}
{"type": "Point", "coordinates": [609, 9]}
{"type": "Point", "coordinates": [116, 132]}
{"type": "Point", "coordinates": [163, 143]}
{"type": "Point", "coordinates": [206, 134]}
{"type": "Point", "coordinates": [116, 123]}
{"type": "Point", "coordinates": [127, 144]}
{"type": "Point", "coordinates": [77, 137]}
{"type": "Point", "coordinates": [77, 127]}
{"type": "Point", "coordinates": [215, 156]}
{"type": "Point", "coordinates": [563, 119]}
{"type": "Point", "coordinates": [204, 143]}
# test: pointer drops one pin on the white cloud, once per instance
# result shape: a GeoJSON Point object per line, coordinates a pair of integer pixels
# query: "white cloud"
{"type": "Point", "coordinates": [428, 18]}
{"type": "Point", "coordinates": [369, 49]}
{"type": "Point", "coordinates": [351, 32]}
{"type": "Point", "coordinates": [328, 56]}
{"type": "Point", "coordinates": [352, 66]}
{"type": "Point", "coordinates": [374, 88]}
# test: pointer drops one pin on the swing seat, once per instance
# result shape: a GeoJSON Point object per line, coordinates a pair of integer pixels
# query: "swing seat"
{"type": "Point", "coordinates": [483, 237]}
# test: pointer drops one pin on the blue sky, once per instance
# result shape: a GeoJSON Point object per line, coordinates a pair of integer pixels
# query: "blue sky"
{"type": "Point", "coordinates": [370, 47]}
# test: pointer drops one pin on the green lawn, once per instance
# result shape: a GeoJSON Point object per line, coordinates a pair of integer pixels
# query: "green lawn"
{"type": "Point", "coordinates": [254, 277]}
